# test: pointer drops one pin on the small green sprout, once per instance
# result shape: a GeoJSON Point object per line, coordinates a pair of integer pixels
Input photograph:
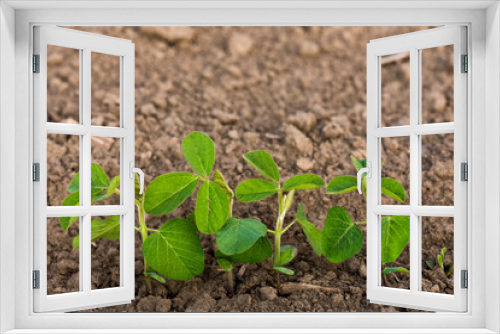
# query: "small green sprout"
{"type": "Point", "coordinates": [440, 263]}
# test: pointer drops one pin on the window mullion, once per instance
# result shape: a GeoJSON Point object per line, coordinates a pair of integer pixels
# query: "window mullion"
{"type": "Point", "coordinates": [415, 243]}
{"type": "Point", "coordinates": [85, 176]}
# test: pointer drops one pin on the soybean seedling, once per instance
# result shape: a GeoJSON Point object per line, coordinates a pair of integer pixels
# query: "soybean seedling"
{"type": "Point", "coordinates": [338, 240]}
{"type": "Point", "coordinates": [174, 251]}
{"type": "Point", "coordinates": [440, 263]}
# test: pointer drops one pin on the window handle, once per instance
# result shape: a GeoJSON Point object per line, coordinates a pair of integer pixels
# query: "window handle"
{"type": "Point", "coordinates": [141, 176]}
{"type": "Point", "coordinates": [368, 171]}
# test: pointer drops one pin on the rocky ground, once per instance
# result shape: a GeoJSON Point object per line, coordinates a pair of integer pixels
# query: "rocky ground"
{"type": "Point", "coordinates": [297, 92]}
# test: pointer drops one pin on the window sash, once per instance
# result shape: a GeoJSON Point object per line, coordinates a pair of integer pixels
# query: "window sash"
{"type": "Point", "coordinates": [86, 43]}
{"type": "Point", "coordinates": [414, 297]}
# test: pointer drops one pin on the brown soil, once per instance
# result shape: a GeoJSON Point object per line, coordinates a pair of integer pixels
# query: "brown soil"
{"type": "Point", "coordinates": [297, 92]}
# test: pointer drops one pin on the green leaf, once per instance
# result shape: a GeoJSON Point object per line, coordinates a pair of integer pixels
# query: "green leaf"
{"type": "Point", "coordinates": [358, 164]}
{"type": "Point", "coordinates": [115, 182]}
{"type": "Point", "coordinates": [199, 151]}
{"type": "Point", "coordinates": [395, 237]}
{"type": "Point", "coordinates": [168, 191]}
{"type": "Point", "coordinates": [430, 264]}
{"type": "Point", "coordinates": [314, 236]}
{"type": "Point", "coordinates": [284, 270]}
{"type": "Point", "coordinates": [211, 208]}
{"type": "Point", "coordinates": [157, 277]}
{"type": "Point", "coordinates": [254, 190]}
{"type": "Point", "coordinates": [221, 182]}
{"type": "Point", "coordinates": [74, 186]}
{"type": "Point", "coordinates": [287, 254]}
{"type": "Point", "coordinates": [260, 251]}
{"type": "Point", "coordinates": [301, 213]}
{"type": "Point", "coordinates": [76, 242]}
{"type": "Point", "coordinates": [304, 181]}
{"type": "Point", "coordinates": [108, 229]}
{"type": "Point", "coordinates": [238, 235]}
{"type": "Point", "coordinates": [71, 200]}
{"type": "Point", "coordinates": [98, 178]}
{"type": "Point", "coordinates": [342, 185]}
{"type": "Point", "coordinates": [391, 270]}
{"type": "Point", "coordinates": [175, 251]}
{"type": "Point", "coordinates": [99, 181]}
{"type": "Point", "coordinates": [264, 163]}
{"type": "Point", "coordinates": [447, 270]}
{"type": "Point", "coordinates": [341, 238]}
{"type": "Point", "coordinates": [223, 261]}
{"type": "Point", "coordinates": [393, 189]}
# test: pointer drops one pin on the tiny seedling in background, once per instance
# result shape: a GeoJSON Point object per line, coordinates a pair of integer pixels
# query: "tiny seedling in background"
{"type": "Point", "coordinates": [440, 263]}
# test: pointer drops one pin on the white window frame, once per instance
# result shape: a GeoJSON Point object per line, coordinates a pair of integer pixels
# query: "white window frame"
{"type": "Point", "coordinates": [414, 43]}
{"type": "Point", "coordinates": [483, 21]}
{"type": "Point", "coordinates": [85, 43]}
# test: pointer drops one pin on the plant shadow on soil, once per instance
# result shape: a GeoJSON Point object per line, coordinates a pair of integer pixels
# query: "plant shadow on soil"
{"type": "Point", "coordinates": [298, 93]}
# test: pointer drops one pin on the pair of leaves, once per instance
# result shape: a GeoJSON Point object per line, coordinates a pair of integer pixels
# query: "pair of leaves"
{"type": "Point", "coordinates": [175, 251]}
{"type": "Point", "coordinates": [108, 229]}
{"type": "Point", "coordinates": [242, 241]}
{"type": "Point", "coordinates": [169, 191]}
{"type": "Point", "coordinates": [257, 189]}
{"type": "Point", "coordinates": [100, 189]}
{"type": "Point", "coordinates": [239, 235]}
{"type": "Point", "coordinates": [261, 250]}
{"type": "Point", "coordinates": [340, 239]}
{"type": "Point", "coordinates": [346, 184]}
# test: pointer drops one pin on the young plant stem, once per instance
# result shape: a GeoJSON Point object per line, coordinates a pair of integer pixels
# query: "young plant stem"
{"type": "Point", "coordinates": [277, 238]}
{"type": "Point", "coordinates": [230, 283]}
{"type": "Point", "coordinates": [143, 229]}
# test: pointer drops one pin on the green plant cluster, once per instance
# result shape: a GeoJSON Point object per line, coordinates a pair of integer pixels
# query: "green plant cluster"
{"type": "Point", "coordinates": [174, 251]}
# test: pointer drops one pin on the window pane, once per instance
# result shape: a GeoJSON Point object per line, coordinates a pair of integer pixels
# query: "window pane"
{"type": "Point", "coordinates": [395, 251]}
{"type": "Point", "coordinates": [437, 240]}
{"type": "Point", "coordinates": [63, 269]}
{"type": "Point", "coordinates": [105, 89]}
{"type": "Point", "coordinates": [63, 84]}
{"type": "Point", "coordinates": [395, 99]}
{"type": "Point", "coordinates": [395, 183]}
{"type": "Point", "coordinates": [105, 252]}
{"type": "Point", "coordinates": [105, 168]}
{"type": "Point", "coordinates": [437, 84]}
{"type": "Point", "coordinates": [437, 170]}
{"type": "Point", "coordinates": [63, 163]}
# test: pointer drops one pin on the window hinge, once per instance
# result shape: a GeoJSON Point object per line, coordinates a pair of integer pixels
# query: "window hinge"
{"type": "Point", "coordinates": [36, 63]}
{"type": "Point", "coordinates": [464, 171]}
{"type": "Point", "coordinates": [36, 172]}
{"type": "Point", "coordinates": [36, 279]}
{"type": "Point", "coordinates": [465, 64]}
{"type": "Point", "coordinates": [465, 279]}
